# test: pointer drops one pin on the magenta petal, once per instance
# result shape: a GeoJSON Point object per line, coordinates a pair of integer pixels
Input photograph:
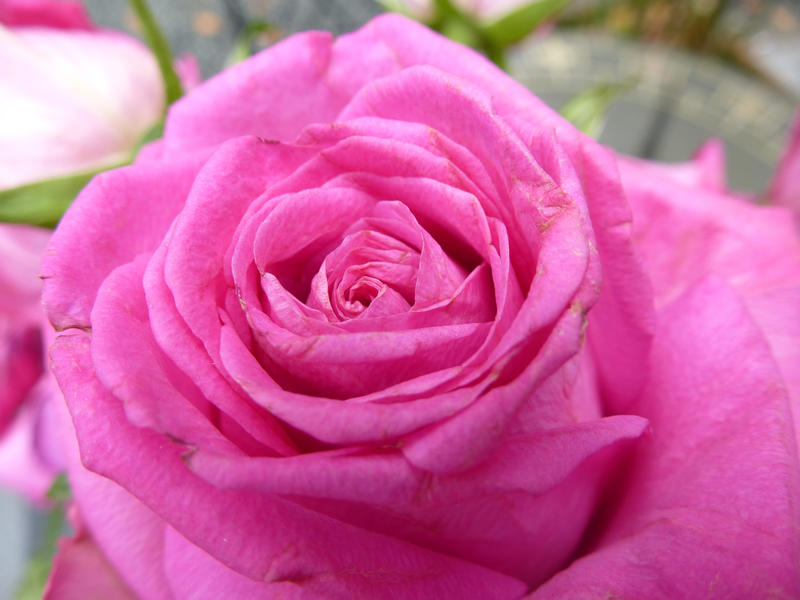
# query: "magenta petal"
{"type": "Point", "coordinates": [491, 515]}
{"type": "Point", "coordinates": [252, 532]}
{"type": "Point", "coordinates": [385, 416]}
{"type": "Point", "coordinates": [59, 14]}
{"type": "Point", "coordinates": [621, 324]}
{"type": "Point", "coordinates": [194, 574]}
{"type": "Point", "coordinates": [333, 364]}
{"type": "Point", "coordinates": [466, 438]}
{"type": "Point", "coordinates": [119, 215]}
{"type": "Point", "coordinates": [713, 496]}
{"type": "Point", "coordinates": [235, 175]}
{"type": "Point", "coordinates": [81, 572]}
{"type": "Point", "coordinates": [706, 170]}
{"type": "Point", "coordinates": [276, 112]}
{"type": "Point", "coordinates": [626, 303]}
{"type": "Point", "coordinates": [129, 535]}
{"type": "Point", "coordinates": [188, 353]}
{"type": "Point", "coordinates": [755, 248]}
{"type": "Point", "coordinates": [155, 394]}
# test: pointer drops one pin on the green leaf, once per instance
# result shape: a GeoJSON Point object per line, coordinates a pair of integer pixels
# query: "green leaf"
{"type": "Point", "coordinates": [43, 202]}
{"type": "Point", "coordinates": [160, 47]}
{"type": "Point", "coordinates": [35, 578]}
{"type": "Point", "coordinates": [59, 491]}
{"type": "Point", "coordinates": [519, 23]}
{"type": "Point", "coordinates": [587, 110]}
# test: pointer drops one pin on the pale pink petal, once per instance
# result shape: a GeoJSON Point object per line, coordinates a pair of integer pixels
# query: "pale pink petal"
{"type": "Point", "coordinates": [53, 79]}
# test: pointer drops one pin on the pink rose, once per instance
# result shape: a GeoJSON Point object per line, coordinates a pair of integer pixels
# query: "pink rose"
{"type": "Point", "coordinates": [23, 379]}
{"type": "Point", "coordinates": [74, 98]}
{"type": "Point", "coordinates": [371, 321]}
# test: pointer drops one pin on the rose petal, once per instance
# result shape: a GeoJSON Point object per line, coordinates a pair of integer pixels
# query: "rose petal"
{"type": "Point", "coordinates": [179, 343]}
{"type": "Point", "coordinates": [81, 572]}
{"type": "Point", "coordinates": [466, 438]}
{"type": "Point", "coordinates": [706, 170]}
{"type": "Point", "coordinates": [119, 215]}
{"type": "Point", "coordinates": [260, 536]}
{"type": "Point", "coordinates": [712, 503]}
{"type": "Point", "coordinates": [755, 248]}
{"type": "Point", "coordinates": [61, 14]}
{"type": "Point", "coordinates": [414, 403]}
{"type": "Point", "coordinates": [54, 78]}
{"type": "Point", "coordinates": [629, 309]}
{"type": "Point", "coordinates": [154, 392]}
{"type": "Point", "coordinates": [123, 539]}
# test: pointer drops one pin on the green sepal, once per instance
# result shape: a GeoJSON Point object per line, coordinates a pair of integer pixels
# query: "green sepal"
{"type": "Point", "coordinates": [43, 202]}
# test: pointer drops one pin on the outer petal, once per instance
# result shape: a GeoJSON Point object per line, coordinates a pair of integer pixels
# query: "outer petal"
{"type": "Point", "coordinates": [195, 575]}
{"type": "Point", "coordinates": [316, 80]}
{"type": "Point", "coordinates": [712, 509]}
{"type": "Point", "coordinates": [260, 536]}
{"type": "Point", "coordinates": [706, 170]}
{"type": "Point", "coordinates": [58, 14]}
{"type": "Point", "coordinates": [685, 234]}
{"type": "Point", "coordinates": [119, 215]}
{"type": "Point", "coordinates": [111, 523]}
{"type": "Point", "coordinates": [81, 572]}
{"type": "Point", "coordinates": [541, 486]}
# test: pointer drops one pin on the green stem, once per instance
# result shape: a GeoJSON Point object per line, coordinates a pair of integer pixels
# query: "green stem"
{"type": "Point", "coordinates": [158, 43]}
